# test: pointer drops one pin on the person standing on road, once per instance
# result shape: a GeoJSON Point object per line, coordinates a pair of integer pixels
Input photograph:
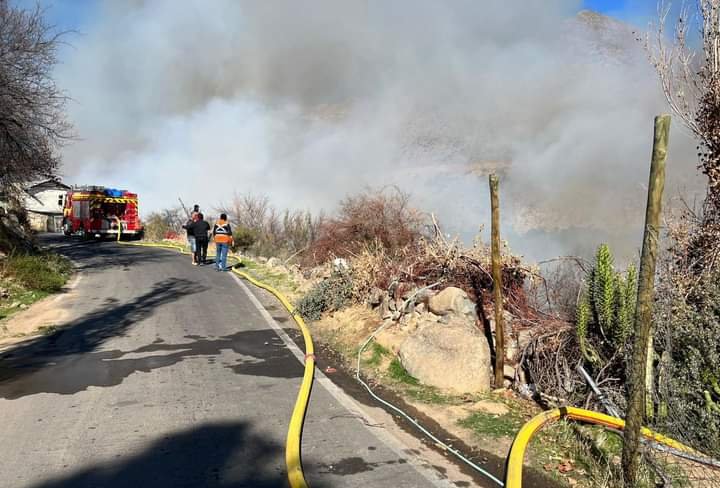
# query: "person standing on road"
{"type": "Point", "coordinates": [200, 229]}
{"type": "Point", "coordinates": [222, 234]}
{"type": "Point", "coordinates": [192, 218]}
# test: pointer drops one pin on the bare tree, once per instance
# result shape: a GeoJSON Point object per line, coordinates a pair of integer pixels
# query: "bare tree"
{"type": "Point", "coordinates": [271, 231]}
{"type": "Point", "coordinates": [32, 108]}
{"type": "Point", "coordinates": [690, 79]}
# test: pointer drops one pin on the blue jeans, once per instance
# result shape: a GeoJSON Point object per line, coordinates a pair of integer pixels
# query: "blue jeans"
{"type": "Point", "coordinates": [221, 251]}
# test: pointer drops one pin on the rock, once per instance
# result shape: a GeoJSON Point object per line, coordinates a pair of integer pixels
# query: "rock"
{"type": "Point", "coordinates": [455, 356]}
{"type": "Point", "coordinates": [261, 259]}
{"type": "Point", "coordinates": [273, 262]}
{"type": "Point", "coordinates": [319, 272]}
{"type": "Point", "coordinates": [393, 288]}
{"type": "Point", "coordinates": [512, 351]}
{"type": "Point", "coordinates": [409, 292]}
{"type": "Point", "coordinates": [431, 317]}
{"type": "Point", "coordinates": [420, 308]}
{"type": "Point", "coordinates": [376, 297]}
{"type": "Point", "coordinates": [493, 408]}
{"type": "Point", "coordinates": [524, 337]}
{"type": "Point", "coordinates": [23, 306]}
{"type": "Point", "coordinates": [508, 371]}
{"type": "Point", "coordinates": [391, 339]}
{"type": "Point", "coordinates": [14, 304]}
{"type": "Point", "coordinates": [384, 310]}
{"type": "Point", "coordinates": [508, 320]}
{"type": "Point", "coordinates": [452, 300]}
{"type": "Point", "coordinates": [340, 264]}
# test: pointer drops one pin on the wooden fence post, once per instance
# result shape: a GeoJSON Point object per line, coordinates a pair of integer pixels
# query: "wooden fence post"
{"type": "Point", "coordinates": [497, 282]}
{"type": "Point", "coordinates": [643, 313]}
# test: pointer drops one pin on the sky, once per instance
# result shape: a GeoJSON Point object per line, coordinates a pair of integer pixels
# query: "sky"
{"type": "Point", "coordinates": [75, 14]}
{"type": "Point", "coordinates": [309, 105]}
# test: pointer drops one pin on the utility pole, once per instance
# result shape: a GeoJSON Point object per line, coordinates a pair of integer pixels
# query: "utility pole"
{"type": "Point", "coordinates": [636, 403]}
{"type": "Point", "coordinates": [497, 282]}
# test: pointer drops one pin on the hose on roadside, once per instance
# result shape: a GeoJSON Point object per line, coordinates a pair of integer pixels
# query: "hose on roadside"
{"type": "Point", "coordinates": [293, 448]}
{"type": "Point", "coordinates": [513, 475]}
{"type": "Point", "coordinates": [407, 417]}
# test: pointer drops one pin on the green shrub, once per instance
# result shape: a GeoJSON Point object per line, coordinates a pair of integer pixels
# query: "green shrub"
{"type": "Point", "coordinates": [398, 372]}
{"type": "Point", "coordinates": [607, 307]}
{"type": "Point", "coordinates": [43, 272]}
{"type": "Point", "coordinates": [244, 238]}
{"type": "Point", "coordinates": [156, 227]}
{"type": "Point", "coordinates": [688, 343]}
{"type": "Point", "coordinates": [330, 294]}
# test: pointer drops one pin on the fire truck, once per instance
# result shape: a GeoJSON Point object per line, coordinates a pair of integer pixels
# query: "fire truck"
{"type": "Point", "coordinates": [97, 212]}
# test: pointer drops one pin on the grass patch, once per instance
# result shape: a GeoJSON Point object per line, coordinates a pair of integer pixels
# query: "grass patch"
{"type": "Point", "coordinates": [377, 353]}
{"type": "Point", "coordinates": [428, 394]}
{"type": "Point", "coordinates": [397, 372]}
{"type": "Point", "coordinates": [28, 278]}
{"type": "Point", "coordinates": [277, 279]}
{"type": "Point", "coordinates": [39, 272]}
{"type": "Point", "coordinates": [490, 425]}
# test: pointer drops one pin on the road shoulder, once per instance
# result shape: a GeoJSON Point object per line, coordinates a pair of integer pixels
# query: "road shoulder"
{"type": "Point", "coordinates": [428, 462]}
{"type": "Point", "coordinates": [41, 318]}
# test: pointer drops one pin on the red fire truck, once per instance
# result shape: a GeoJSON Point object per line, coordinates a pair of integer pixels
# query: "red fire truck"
{"type": "Point", "coordinates": [96, 211]}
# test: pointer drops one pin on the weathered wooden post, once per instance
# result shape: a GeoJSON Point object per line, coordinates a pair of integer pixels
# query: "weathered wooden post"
{"type": "Point", "coordinates": [643, 313]}
{"type": "Point", "coordinates": [497, 281]}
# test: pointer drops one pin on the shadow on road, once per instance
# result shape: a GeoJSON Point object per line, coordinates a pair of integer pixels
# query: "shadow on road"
{"type": "Point", "coordinates": [100, 255]}
{"type": "Point", "coordinates": [221, 454]}
{"type": "Point", "coordinates": [87, 333]}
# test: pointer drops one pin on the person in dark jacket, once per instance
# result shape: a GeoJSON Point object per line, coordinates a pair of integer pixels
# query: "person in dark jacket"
{"type": "Point", "coordinates": [192, 218]}
{"type": "Point", "coordinates": [200, 229]}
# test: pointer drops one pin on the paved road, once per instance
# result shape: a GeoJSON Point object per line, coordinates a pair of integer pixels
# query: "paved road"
{"type": "Point", "coordinates": [168, 375]}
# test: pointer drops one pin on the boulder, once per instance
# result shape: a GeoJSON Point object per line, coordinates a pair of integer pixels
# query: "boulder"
{"type": "Point", "coordinates": [376, 297]}
{"type": "Point", "coordinates": [454, 356]}
{"type": "Point", "coordinates": [384, 310]}
{"type": "Point", "coordinates": [512, 351]}
{"type": "Point", "coordinates": [391, 339]}
{"type": "Point", "coordinates": [273, 262]}
{"type": "Point", "coordinates": [452, 300]}
{"type": "Point", "coordinates": [509, 371]}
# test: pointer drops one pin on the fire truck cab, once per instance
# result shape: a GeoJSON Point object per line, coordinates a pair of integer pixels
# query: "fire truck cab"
{"type": "Point", "coordinates": [96, 211]}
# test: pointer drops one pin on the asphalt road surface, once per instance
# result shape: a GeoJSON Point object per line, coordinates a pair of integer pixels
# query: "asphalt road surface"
{"type": "Point", "coordinates": [169, 375]}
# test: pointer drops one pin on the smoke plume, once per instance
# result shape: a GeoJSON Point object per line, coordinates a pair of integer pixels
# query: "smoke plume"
{"type": "Point", "coordinates": [306, 102]}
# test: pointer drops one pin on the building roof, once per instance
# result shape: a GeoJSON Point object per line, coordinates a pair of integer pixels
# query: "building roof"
{"type": "Point", "coordinates": [48, 184]}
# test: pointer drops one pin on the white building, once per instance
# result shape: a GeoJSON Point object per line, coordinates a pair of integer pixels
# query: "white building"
{"type": "Point", "coordinates": [44, 201]}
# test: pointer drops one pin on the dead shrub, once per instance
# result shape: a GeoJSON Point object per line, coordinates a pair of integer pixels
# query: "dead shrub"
{"type": "Point", "coordinates": [381, 220]}
{"type": "Point", "coordinates": [434, 259]}
{"type": "Point", "coordinates": [267, 231]}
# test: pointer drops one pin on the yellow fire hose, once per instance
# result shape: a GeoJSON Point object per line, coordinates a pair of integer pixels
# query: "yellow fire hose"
{"type": "Point", "coordinates": [513, 474]}
{"type": "Point", "coordinates": [293, 451]}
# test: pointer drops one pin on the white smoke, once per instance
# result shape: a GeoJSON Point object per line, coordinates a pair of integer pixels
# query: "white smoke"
{"type": "Point", "coordinates": [309, 101]}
